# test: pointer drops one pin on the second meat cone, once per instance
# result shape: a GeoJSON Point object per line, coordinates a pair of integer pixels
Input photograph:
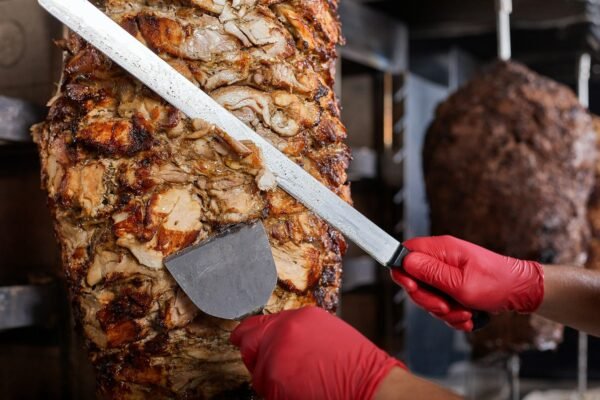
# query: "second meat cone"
{"type": "Point", "coordinates": [131, 180]}
{"type": "Point", "coordinates": [509, 165]}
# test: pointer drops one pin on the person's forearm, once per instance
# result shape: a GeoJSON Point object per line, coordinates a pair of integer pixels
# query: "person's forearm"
{"type": "Point", "coordinates": [401, 384]}
{"type": "Point", "coordinates": [572, 297]}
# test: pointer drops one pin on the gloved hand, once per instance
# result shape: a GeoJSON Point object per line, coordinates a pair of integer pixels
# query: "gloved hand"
{"type": "Point", "coordinates": [473, 276]}
{"type": "Point", "coordinates": [308, 354]}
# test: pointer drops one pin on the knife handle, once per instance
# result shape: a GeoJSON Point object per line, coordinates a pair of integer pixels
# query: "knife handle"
{"type": "Point", "coordinates": [480, 318]}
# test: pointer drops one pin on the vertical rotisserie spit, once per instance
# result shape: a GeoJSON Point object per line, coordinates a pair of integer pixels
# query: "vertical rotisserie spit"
{"type": "Point", "coordinates": [509, 164]}
{"type": "Point", "coordinates": [130, 180]}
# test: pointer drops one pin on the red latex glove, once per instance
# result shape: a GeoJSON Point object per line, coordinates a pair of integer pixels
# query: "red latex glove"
{"type": "Point", "coordinates": [475, 277]}
{"type": "Point", "coordinates": [308, 354]}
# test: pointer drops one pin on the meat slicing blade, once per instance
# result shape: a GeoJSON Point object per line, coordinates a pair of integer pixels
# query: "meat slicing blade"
{"type": "Point", "coordinates": [124, 49]}
{"type": "Point", "coordinates": [231, 275]}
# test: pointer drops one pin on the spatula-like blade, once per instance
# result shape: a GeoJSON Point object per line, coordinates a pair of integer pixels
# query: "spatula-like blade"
{"type": "Point", "coordinates": [230, 275]}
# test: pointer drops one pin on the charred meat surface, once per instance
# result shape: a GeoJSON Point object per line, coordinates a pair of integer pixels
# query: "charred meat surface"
{"type": "Point", "coordinates": [509, 164]}
{"type": "Point", "coordinates": [131, 180]}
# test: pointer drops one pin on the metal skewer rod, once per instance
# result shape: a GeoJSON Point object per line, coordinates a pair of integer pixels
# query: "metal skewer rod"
{"type": "Point", "coordinates": [583, 79]}
{"type": "Point", "coordinates": [503, 10]}
{"type": "Point", "coordinates": [583, 84]}
{"type": "Point", "coordinates": [582, 365]}
{"type": "Point", "coordinates": [514, 368]}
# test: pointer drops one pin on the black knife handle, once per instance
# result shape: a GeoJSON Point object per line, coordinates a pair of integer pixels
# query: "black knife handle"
{"type": "Point", "coordinates": [479, 318]}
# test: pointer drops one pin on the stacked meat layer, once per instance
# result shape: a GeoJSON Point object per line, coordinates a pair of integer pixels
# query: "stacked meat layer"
{"type": "Point", "coordinates": [131, 180]}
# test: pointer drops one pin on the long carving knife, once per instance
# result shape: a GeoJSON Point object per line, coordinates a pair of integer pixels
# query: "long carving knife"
{"type": "Point", "coordinates": [107, 36]}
